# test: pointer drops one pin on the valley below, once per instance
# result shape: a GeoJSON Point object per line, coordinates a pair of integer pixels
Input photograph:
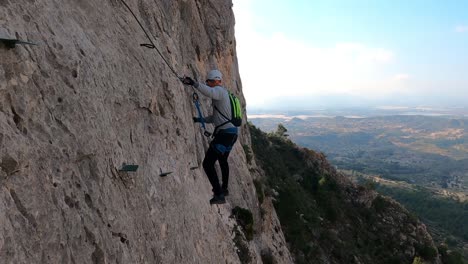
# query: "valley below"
{"type": "Point", "coordinates": [420, 160]}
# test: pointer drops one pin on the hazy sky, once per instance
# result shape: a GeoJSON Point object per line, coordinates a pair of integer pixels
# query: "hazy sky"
{"type": "Point", "coordinates": [393, 50]}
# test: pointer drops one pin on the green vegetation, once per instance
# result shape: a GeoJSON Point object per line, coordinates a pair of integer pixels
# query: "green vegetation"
{"type": "Point", "coordinates": [267, 257]}
{"type": "Point", "coordinates": [242, 247]}
{"type": "Point", "coordinates": [417, 260]}
{"type": "Point", "coordinates": [427, 252]}
{"type": "Point", "coordinates": [450, 257]}
{"type": "Point", "coordinates": [445, 217]}
{"type": "Point", "coordinates": [248, 153]}
{"type": "Point", "coordinates": [245, 219]}
{"type": "Point", "coordinates": [281, 131]}
{"type": "Point", "coordinates": [318, 216]}
{"type": "Point", "coordinates": [296, 186]}
{"type": "Point", "coordinates": [419, 150]}
{"type": "Point", "coordinates": [380, 204]}
{"type": "Point", "coordinates": [259, 189]}
{"type": "Point", "coordinates": [445, 213]}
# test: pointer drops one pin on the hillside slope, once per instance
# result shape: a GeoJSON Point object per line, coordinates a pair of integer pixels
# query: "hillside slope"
{"type": "Point", "coordinates": [328, 219]}
{"type": "Point", "coordinates": [87, 99]}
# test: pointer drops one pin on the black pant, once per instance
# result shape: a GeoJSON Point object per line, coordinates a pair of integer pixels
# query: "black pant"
{"type": "Point", "coordinates": [219, 150]}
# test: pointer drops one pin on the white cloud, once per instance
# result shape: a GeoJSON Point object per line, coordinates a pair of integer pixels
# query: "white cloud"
{"type": "Point", "coordinates": [364, 53]}
{"type": "Point", "coordinates": [275, 65]}
{"type": "Point", "coordinates": [461, 29]}
{"type": "Point", "coordinates": [401, 77]}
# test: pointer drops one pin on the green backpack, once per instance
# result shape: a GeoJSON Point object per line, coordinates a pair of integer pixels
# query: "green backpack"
{"type": "Point", "coordinates": [236, 112]}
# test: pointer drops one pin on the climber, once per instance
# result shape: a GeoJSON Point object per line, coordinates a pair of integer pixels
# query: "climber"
{"type": "Point", "coordinates": [225, 134]}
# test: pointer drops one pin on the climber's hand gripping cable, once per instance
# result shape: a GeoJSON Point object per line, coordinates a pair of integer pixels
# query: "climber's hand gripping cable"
{"type": "Point", "coordinates": [187, 81]}
{"type": "Point", "coordinates": [200, 119]}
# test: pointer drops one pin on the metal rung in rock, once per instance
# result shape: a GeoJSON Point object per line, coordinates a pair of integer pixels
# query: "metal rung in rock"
{"type": "Point", "coordinates": [11, 43]}
{"type": "Point", "coordinates": [129, 167]}
{"type": "Point", "coordinates": [164, 174]}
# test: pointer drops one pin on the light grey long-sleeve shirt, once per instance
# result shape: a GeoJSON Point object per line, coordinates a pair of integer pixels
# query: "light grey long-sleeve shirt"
{"type": "Point", "coordinates": [220, 100]}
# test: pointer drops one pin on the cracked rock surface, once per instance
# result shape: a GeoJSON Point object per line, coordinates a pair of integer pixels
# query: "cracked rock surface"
{"type": "Point", "coordinates": [88, 99]}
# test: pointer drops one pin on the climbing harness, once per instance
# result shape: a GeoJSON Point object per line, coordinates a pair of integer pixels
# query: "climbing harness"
{"type": "Point", "coordinates": [200, 115]}
{"type": "Point", "coordinates": [197, 105]}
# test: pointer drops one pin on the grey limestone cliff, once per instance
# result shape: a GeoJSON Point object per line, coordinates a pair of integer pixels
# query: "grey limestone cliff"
{"type": "Point", "coordinates": [88, 99]}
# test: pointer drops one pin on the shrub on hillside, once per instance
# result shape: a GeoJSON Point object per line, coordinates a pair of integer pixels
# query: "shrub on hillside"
{"type": "Point", "coordinates": [245, 219]}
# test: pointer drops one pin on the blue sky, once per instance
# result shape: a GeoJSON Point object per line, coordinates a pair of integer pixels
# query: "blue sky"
{"type": "Point", "coordinates": [388, 52]}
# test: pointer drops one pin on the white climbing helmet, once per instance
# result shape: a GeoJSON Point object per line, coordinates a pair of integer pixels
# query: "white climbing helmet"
{"type": "Point", "coordinates": [214, 75]}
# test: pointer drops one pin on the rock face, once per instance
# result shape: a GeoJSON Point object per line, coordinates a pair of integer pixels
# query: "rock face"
{"type": "Point", "coordinates": [88, 99]}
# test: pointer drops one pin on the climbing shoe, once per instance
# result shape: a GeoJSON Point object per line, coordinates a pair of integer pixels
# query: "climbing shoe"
{"type": "Point", "coordinates": [218, 199]}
